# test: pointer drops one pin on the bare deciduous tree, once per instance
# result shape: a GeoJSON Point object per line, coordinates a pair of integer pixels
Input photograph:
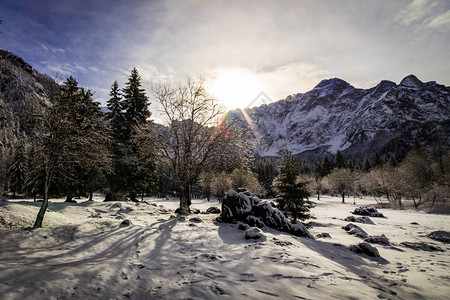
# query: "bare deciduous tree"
{"type": "Point", "coordinates": [340, 181]}
{"type": "Point", "coordinates": [195, 137]}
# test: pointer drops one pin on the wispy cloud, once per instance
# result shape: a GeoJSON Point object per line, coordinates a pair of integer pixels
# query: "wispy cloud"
{"type": "Point", "coordinates": [426, 14]}
{"type": "Point", "coordinates": [52, 49]}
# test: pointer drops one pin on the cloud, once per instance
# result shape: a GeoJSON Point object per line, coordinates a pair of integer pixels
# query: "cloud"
{"type": "Point", "coordinates": [426, 14]}
{"type": "Point", "coordinates": [52, 49]}
{"type": "Point", "coordinates": [442, 21]}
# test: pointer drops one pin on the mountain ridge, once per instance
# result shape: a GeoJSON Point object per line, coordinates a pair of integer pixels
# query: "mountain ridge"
{"type": "Point", "coordinates": [334, 115]}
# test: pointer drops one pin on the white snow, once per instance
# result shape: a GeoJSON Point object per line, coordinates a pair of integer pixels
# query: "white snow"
{"type": "Point", "coordinates": [84, 253]}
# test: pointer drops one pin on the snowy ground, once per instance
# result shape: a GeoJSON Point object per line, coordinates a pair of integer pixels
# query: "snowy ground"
{"type": "Point", "coordinates": [84, 253]}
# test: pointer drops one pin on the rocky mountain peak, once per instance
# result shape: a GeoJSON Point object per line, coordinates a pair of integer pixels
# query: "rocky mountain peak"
{"type": "Point", "coordinates": [333, 84]}
{"type": "Point", "coordinates": [411, 81]}
{"type": "Point", "coordinates": [336, 116]}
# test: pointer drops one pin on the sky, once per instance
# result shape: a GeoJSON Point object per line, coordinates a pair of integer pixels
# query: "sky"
{"type": "Point", "coordinates": [240, 48]}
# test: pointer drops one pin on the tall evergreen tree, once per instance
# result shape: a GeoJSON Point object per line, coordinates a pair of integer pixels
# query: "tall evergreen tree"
{"type": "Point", "coordinates": [133, 173]}
{"type": "Point", "coordinates": [292, 194]}
{"type": "Point", "coordinates": [135, 102]}
{"type": "Point", "coordinates": [326, 166]}
{"type": "Point", "coordinates": [339, 161]}
{"type": "Point", "coordinates": [17, 171]}
{"type": "Point", "coordinates": [71, 144]}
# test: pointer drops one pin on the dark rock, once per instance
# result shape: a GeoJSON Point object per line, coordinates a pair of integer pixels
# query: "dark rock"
{"type": "Point", "coordinates": [243, 226]}
{"type": "Point", "coordinates": [367, 211]}
{"type": "Point", "coordinates": [183, 211]}
{"type": "Point", "coordinates": [196, 220]}
{"type": "Point", "coordinates": [282, 243]}
{"type": "Point", "coordinates": [240, 207]}
{"type": "Point", "coordinates": [440, 235]}
{"type": "Point", "coordinates": [235, 207]}
{"type": "Point", "coordinates": [377, 239]}
{"type": "Point", "coordinates": [254, 221]}
{"type": "Point", "coordinates": [323, 235]}
{"type": "Point", "coordinates": [275, 219]}
{"type": "Point", "coordinates": [421, 246]}
{"type": "Point", "coordinates": [355, 230]}
{"type": "Point", "coordinates": [365, 248]}
{"type": "Point", "coordinates": [126, 223]}
{"type": "Point", "coordinates": [213, 210]}
{"type": "Point", "coordinates": [363, 220]}
{"type": "Point", "coordinates": [253, 233]}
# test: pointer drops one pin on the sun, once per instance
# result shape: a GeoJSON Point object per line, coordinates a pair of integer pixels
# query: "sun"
{"type": "Point", "coordinates": [235, 87]}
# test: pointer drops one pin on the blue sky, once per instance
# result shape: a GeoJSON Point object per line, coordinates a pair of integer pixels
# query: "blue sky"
{"type": "Point", "coordinates": [241, 48]}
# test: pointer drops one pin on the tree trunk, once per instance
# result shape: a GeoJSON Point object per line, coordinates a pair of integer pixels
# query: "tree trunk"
{"type": "Point", "coordinates": [185, 200]}
{"type": "Point", "coordinates": [69, 197]}
{"type": "Point", "coordinates": [343, 197]}
{"type": "Point", "coordinates": [133, 196]}
{"type": "Point", "coordinates": [43, 209]}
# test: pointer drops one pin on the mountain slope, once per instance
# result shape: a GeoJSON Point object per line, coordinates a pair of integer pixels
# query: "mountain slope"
{"type": "Point", "coordinates": [337, 116]}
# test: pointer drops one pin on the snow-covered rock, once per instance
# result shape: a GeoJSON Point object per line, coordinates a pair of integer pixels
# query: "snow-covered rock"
{"type": "Point", "coordinates": [235, 207]}
{"type": "Point", "coordinates": [377, 239]}
{"type": "Point", "coordinates": [238, 207]}
{"type": "Point", "coordinates": [440, 235]}
{"type": "Point", "coordinates": [213, 210]}
{"type": "Point", "coordinates": [253, 233]}
{"type": "Point", "coordinates": [355, 230]}
{"type": "Point", "coordinates": [365, 248]}
{"type": "Point", "coordinates": [368, 211]}
{"type": "Point", "coordinates": [363, 220]}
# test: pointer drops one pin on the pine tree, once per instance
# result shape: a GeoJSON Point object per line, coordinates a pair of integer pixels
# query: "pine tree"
{"type": "Point", "coordinates": [135, 102]}
{"type": "Point", "coordinates": [339, 161]}
{"type": "Point", "coordinates": [133, 173]}
{"type": "Point", "coordinates": [17, 171]}
{"type": "Point", "coordinates": [292, 195]}
{"type": "Point", "coordinates": [72, 144]}
{"type": "Point", "coordinates": [326, 167]}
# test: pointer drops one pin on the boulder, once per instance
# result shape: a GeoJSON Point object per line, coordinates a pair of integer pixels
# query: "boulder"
{"type": "Point", "coordinates": [421, 246]}
{"type": "Point", "coordinates": [247, 208]}
{"type": "Point", "coordinates": [195, 220]}
{"type": "Point", "coordinates": [213, 210]}
{"type": "Point", "coordinates": [253, 233]}
{"type": "Point", "coordinates": [126, 223]}
{"type": "Point", "coordinates": [377, 239]}
{"type": "Point", "coordinates": [323, 235]}
{"type": "Point", "coordinates": [254, 221]}
{"type": "Point", "coordinates": [365, 248]}
{"type": "Point", "coordinates": [243, 226]}
{"type": "Point", "coordinates": [275, 219]}
{"type": "Point", "coordinates": [367, 211]}
{"type": "Point", "coordinates": [355, 230]}
{"type": "Point", "coordinates": [235, 207]}
{"type": "Point", "coordinates": [363, 220]}
{"type": "Point", "coordinates": [440, 235]}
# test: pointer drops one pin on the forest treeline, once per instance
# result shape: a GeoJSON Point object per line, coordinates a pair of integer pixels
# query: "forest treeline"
{"type": "Point", "coordinates": [72, 148]}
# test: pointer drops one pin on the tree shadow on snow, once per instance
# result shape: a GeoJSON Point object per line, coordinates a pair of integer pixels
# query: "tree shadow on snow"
{"type": "Point", "coordinates": [108, 252]}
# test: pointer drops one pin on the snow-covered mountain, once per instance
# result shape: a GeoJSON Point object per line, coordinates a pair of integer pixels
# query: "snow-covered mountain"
{"type": "Point", "coordinates": [337, 116]}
